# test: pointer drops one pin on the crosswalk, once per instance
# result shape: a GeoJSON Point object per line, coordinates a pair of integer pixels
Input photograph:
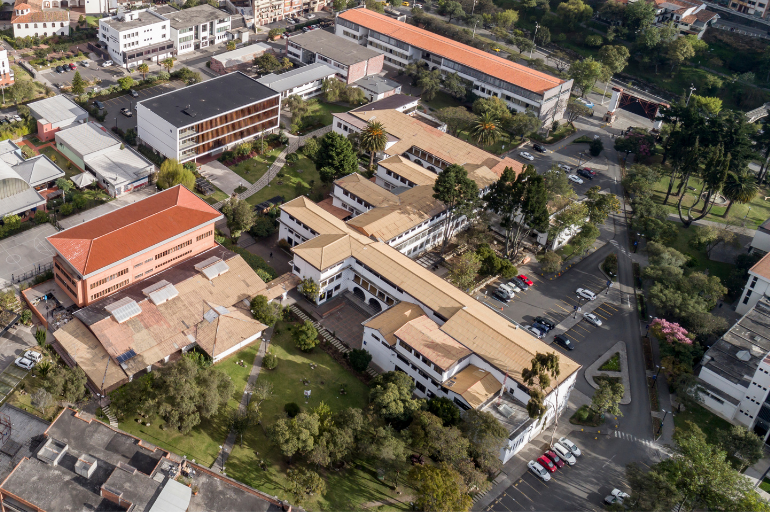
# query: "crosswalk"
{"type": "Point", "coordinates": [616, 244]}
{"type": "Point", "coordinates": [630, 437]}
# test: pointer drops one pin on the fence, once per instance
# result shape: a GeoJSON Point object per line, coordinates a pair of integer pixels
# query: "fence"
{"type": "Point", "coordinates": [39, 269]}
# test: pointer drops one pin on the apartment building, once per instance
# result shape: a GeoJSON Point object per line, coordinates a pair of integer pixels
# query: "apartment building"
{"type": "Point", "coordinates": [35, 18]}
{"type": "Point", "coordinates": [756, 8]}
{"type": "Point", "coordinates": [734, 374]}
{"type": "Point", "coordinates": [449, 343]}
{"type": "Point", "coordinates": [488, 75]}
{"type": "Point", "coordinates": [208, 117]}
{"type": "Point", "coordinates": [757, 286]}
{"type": "Point", "coordinates": [6, 73]}
{"type": "Point", "coordinates": [198, 27]}
{"type": "Point", "coordinates": [351, 60]}
{"type": "Point", "coordinates": [99, 257]}
{"type": "Point", "coordinates": [305, 82]}
{"type": "Point", "coordinates": [135, 37]}
{"type": "Point", "coordinates": [268, 11]}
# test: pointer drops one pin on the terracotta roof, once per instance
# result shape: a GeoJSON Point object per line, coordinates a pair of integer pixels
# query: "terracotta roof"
{"type": "Point", "coordinates": [762, 267]}
{"type": "Point", "coordinates": [409, 170]}
{"type": "Point", "coordinates": [324, 251]}
{"type": "Point", "coordinates": [373, 194]}
{"type": "Point", "coordinates": [281, 284]}
{"type": "Point", "coordinates": [688, 19]}
{"type": "Point", "coordinates": [42, 17]}
{"type": "Point", "coordinates": [482, 175]}
{"type": "Point", "coordinates": [507, 162]}
{"type": "Point", "coordinates": [475, 385]}
{"type": "Point", "coordinates": [495, 66]}
{"type": "Point", "coordinates": [226, 331]}
{"type": "Point", "coordinates": [117, 235]}
{"type": "Point", "coordinates": [392, 319]}
{"type": "Point", "coordinates": [328, 205]}
{"type": "Point", "coordinates": [704, 15]}
{"type": "Point", "coordinates": [36, 5]}
{"type": "Point", "coordinates": [425, 336]}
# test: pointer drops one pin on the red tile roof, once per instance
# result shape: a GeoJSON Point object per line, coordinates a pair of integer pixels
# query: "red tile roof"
{"type": "Point", "coordinates": [492, 65]}
{"type": "Point", "coordinates": [44, 16]}
{"type": "Point", "coordinates": [124, 232]}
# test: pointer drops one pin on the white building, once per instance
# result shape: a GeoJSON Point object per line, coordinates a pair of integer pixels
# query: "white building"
{"type": "Point", "coordinates": [207, 118]}
{"type": "Point", "coordinates": [198, 27]}
{"type": "Point", "coordinates": [761, 241]}
{"type": "Point", "coordinates": [305, 82]}
{"type": "Point", "coordinates": [757, 286]}
{"type": "Point", "coordinates": [35, 18]}
{"type": "Point", "coordinates": [135, 37]}
{"type": "Point", "coordinates": [735, 372]}
{"type": "Point", "coordinates": [449, 343]}
{"type": "Point", "coordinates": [6, 73]}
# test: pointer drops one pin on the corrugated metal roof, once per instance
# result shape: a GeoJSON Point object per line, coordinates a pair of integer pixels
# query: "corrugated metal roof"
{"type": "Point", "coordinates": [174, 497]}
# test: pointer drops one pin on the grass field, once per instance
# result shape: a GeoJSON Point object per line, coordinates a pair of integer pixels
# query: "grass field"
{"type": "Point", "coordinates": [715, 268]}
{"type": "Point", "coordinates": [442, 100]}
{"type": "Point", "coordinates": [325, 111]}
{"type": "Point", "coordinates": [253, 168]}
{"type": "Point", "coordinates": [298, 178]}
{"type": "Point", "coordinates": [201, 443]}
{"type": "Point", "coordinates": [708, 422]}
{"type": "Point", "coordinates": [347, 489]}
{"type": "Point", "coordinates": [68, 167]}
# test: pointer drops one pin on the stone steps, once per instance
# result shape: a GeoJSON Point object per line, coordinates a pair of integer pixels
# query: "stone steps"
{"type": "Point", "coordinates": [325, 334]}
{"type": "Point", "coordinates": [110, 416]}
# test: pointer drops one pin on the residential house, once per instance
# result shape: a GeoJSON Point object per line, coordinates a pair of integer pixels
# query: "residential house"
{"type": "Point", "coordinates": [36, 18]}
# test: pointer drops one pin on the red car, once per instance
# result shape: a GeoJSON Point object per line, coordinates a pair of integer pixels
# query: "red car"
{"type": "Point", "coordinates": [547, 464]}
{"type": "Point", "coordinates": [72, 66]}
{"type": "Point", "coordinates": [524, 279]}
{"type": "Point", "coordinates": [555, 458]}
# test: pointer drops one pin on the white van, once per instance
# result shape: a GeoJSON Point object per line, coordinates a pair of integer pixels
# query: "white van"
{"type": "Point", "coordinates": [507, 290]}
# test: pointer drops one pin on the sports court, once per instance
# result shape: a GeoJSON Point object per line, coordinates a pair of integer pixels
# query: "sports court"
{"type": "Point", "coordinates": [25, 252]}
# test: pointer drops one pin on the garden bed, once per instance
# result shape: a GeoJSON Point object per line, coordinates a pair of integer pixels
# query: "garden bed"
{"type": "Point", "coordinates": [612, 364]}
{"type": "Point", "coordinates": [653, 390]}
{"type": "Point", "coordinates": [586, 417]}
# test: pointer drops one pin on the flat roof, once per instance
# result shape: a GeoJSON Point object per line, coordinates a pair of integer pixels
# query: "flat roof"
{"type": "Point", "coordinates": [141, 19]}
{"type": "Point", "coordinates": [210, 98]}
{"type": "Point", "coordinates": [492, 65]}
{"type": "Point", "coordinates": [238, 54]}
{"type": "Point", "coordinates": [297, 76]}
{"type": "Point", "coordinates": [334, 47]}
{"type": "Point", "coordinates": [377, 84]}
{"type": "Point", "coordinates": [394, 101]}
{"type": "Point", "coordinates": [197, 15]}
{"type": "Point", "coordinates": [56, 109]}
{"type": "Point", "coordinates": [86, 138]}
{"type": "Point", "coordinates": [120, 166]}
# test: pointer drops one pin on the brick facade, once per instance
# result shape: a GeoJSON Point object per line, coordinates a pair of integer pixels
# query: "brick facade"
{"type": "Point", "coordinates": [365, 68]}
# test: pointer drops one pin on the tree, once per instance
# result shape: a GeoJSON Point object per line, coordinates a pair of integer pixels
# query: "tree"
{"type": "Point", "coordinates": [373, 139]}
{"type": "Point", "coordinates": [739, 187]}
{"type": "Point", "coordinates": [614, 58]}
{"type": "Point", "coordinates": [557, 184]}
{"type": "Point", "coordinates": [336, 152]}
{"type": "Point", "coordinates": [464, 270]}
{"type": "Point", "coordinates": [585, 239]}
{"type": "Point", "coordinates": [298, 108]}
{"type": "Point", "coordinates": [486, 129]}
{"type": "Point", "coordinates": [710, 236]}
{"type": "Point", "coordinates": [639, 18]}
{"type": "Point", "coordinates": [455, 86]}
{"type": "Point", "coordinates": [391, 396]}
{"type": "Point", "coordinates": [550, 262]}
{"type": "Point", "coordinates": [359, 359]}
{"type": "Point", "coordinates": [267, 62]}
{"type": "Point", "coordinates": [306, 336]}
{"type": "Point", "coordinates": [709, 105]}
{"type": "Point", "coordinates": [69, 383]}
{"type": "Point", "coordinates": [506, 19]}
{"type": "Point", "coordinates": [543, 36]}
{"type": "Point", "coordinates": [560, 59]}
{"type": "Point", "coordinates": [595, 147]}
{"type": "Point", "coordinates": [173, 173]}
{"type": "Point", "coordinates": [600, 205]}
{"type": "Point", "coordinates": [41, 398]}
{"type": "Point", "coordinates": [168, 64]}
{"type": "Point", "coordinates": [486, 436]}
{"type": "Point", "coordinates": [441, 443]}
{"type": "Point", "coordinates": [585, 73]}
{"type": "Point", "coordinates": [607, 398]}
{"type": "Point", "coordinates": [295, 435]}
{"type": "Point", "coordinates": [577, 109]}
{"type": "Point", "coordinates": [494, 106]}
{"type": "Point", "coordinates": [678, 52]}
{"type": "Point", "coordinates": [241, 420]}
{"type": "Point", "coordinates": [524, 44]}
{"type": "Point", "coordinates": [521, 202]}
{"type": "Point", "coordinates": [575, 11]}
{"type": "Point", "coordinates": [264, 312]}
{"type": "Point", "coordinates": [543, 372]}
{"type": "Point", "coordinates": [439, 489]}
{"type": "Point", "coordinates": [303, 482]}
{"type": "Point", "coordinates": [453, 10]}
{"type": "Point", "coordinates": [523, 123]}
{"type": "Point", "coordinates": [21, 90]}
{"type": "Point", "coordinates": [231, 45]}
{"type": "Point", "coordinates": [309, 288]}
{"type": "Point", "coordinates": [458, 193]}
{"type": "Point", "coordinates": [78, 84]}
{"type": "Point", "coordinates": [126, 82]}
{"type": "Point", "coordinates": [275, 32]}
{"type": "Point", "coordinates": [332, 89]}
{"type": "Point", "coordinates": [456, 119]}
{"type": "Point", "coordinates": [429, 82]}
{"type": "Point", "coordinates": [354, 95]}
{"type": "Point", "coordinates": [613, 11]}
{"type": "Point", "coordinates": [65, 186]}
{"type": "Point", "coordinates": [240, 216]}
{"type": "Point", "coordinates": [445, 409]}
{"type": "Point", "coordinates": [742, 444]}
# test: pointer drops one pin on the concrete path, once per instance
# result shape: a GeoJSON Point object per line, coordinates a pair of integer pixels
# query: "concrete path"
{"type": "Point", "coordinates": [222, 177]}
{"type": "Point", "coordinates": [594, 371]}
{"type": "Point", "coordinates": [219, 463]}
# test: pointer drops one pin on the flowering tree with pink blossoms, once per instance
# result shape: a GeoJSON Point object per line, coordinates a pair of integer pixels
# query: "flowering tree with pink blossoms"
{"type": "Point", "coordinates": [672, 332]}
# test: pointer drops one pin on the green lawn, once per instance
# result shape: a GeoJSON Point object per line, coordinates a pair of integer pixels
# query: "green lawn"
{"type": "Point", "coordinates": [765, 485]}
{"type": "Point", "coordinates": [499, 147]}
{"type": "Point", "coordinates": [298, 178]}
{"type": "Point", "coordinates": [760, 209]}
{"type": "Point", "coordinates": [325, 111]}
{"type": "Point", "coordinates": [253, 168]}
{"type": "Point", "coordinates": [92, 21]}
{"type": "Point", "coordinates": [442, 100]}
{"type": "Point", "coordinates": [715, 268]}
{"type": "Point", "coordinates": [347, 489]}
{"type": "Point", "coordinates": [708, 422]}
{"type": "Point", "coordinates": [62, 161]}
{"type": "Point", "coordinates": [201, 443]}
{"type": "Point", "coordinates": [612, 364]}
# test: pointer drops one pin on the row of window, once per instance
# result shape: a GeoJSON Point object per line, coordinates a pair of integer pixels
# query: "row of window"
{"type": "Point", "coordinates": [400, 178]}
{"type": "Point", "coordinates": [385, 49]}
{"type": "Point", "coordinates": [428, 157]}
{"type": "Point", "coordinates": [204, 235]}
{"type": "Point", "coordinates": [389, 40]}
{"type": "Point", "coordinates": [333, 278]}
{"type": "Point", "coordinates": [375, 274]}
{"type": "Point", "coordinates": [351, 35]}
{"type": "Point", "coordinates": [113, 276]}
{"type": "Point", "coordinates": [172, 259]}
{"type": "Point", "coordinates": [26, 25]}
{"type": "Point", "coordinates": [312, 231]}
{"type": "Point", "coordinates": [366, 285]}
{"type": "Point", "coordinates": [173, 249]}
{"type": "Point", "coordinates": [58, 276]}
{"type": "Point", "coordinates": [65, 273]}
{"type": "Point", "coordinates": [356, 198]}
{"type": "Point", "coordinates": [109, 290]}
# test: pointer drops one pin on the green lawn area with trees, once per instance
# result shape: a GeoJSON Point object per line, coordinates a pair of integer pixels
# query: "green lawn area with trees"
{"type": "Point", "coordinates": [253, 168]}
{"type": "Point", "coordinates": [707, 421]}
{"type": "Point", "coordinates": [68, 167]}
{"type": "Point", "coordinates": [293, 181]}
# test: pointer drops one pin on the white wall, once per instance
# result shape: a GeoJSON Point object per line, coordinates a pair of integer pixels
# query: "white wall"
{"type": "Point", "coordinates": [756, 287]}
{"type": "Point", "coordinates": [726, 410]}
{"type": "Point", "coordinates": [761, 241]}
{"type": "Point", "coordinates": [157, 132]}
{"type": "Point", "coordinates": [237, 347]}
{"type": "Point", "coordinates": [33, 29]}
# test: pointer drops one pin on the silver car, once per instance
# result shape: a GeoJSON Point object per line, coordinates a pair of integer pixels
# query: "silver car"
{"type": "Point", "coordinates": [526, 156]}
{"type": "Point", "coordinates": [564, 453]}
{"type": "Point", "coordinates": [592, 319]}
{"type": "Point", "coordinates": [538, 470]}
{"type": "Point", "coordinates": [23, 362]}
{"type": "Point", "coordinates": [575, 178]}
{"type": "Point", "coordinates": [570, 446]}
{"type": "Point", "coordinates": [586, 294]}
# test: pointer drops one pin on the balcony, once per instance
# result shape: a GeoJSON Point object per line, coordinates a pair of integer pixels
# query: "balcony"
{"type": "Point", "coordinates": [188, 143]}
{"type": "Point", "coordinates": [187, 132]}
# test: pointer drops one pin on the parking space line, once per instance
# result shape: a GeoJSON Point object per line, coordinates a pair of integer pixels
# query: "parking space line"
{"type": "Point", "coordinates": [521, 480]}
{"type": "Point", "coordinates": [605, 304]}
{"type": "Point", "coordinates": [581, 327]}
{"type": "Point", "coordinates": [506, 495]}
{"type": "Point", "coordinates": [572, 299]}
{"type": "Point", "coordinates": [597, 314]}
{"type": "Point", "coordinates": [608, 313]}
{"type": "Point", "coordinates": [575, 334]}
{"type": "Point", "coordinates": [559, 306]}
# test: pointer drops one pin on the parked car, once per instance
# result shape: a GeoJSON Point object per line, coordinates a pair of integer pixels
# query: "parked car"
{"type": "Point", "coordinates": [72, 65]}
{"type": "Point", "coordinates": [547, 464]}
{"type": "Point", "coordinates": [23, 362]}
{"type": "Point", "coordinates": [33, 356]}
{"type": "Point", "coordinates": [59, 69]}
{"type": "Point", "coordinates": [305, 29]}
{"type": "Point", "coordinates": [4, 120]}
{"type": "Point", "coordinates": [515, 285]}
{"type": "Point", "coordinates": [538, 470]}
{"type": "Point", "coordinates": [565, 167]}
{"type": "Point", "coordinates": [17, 118]}
{"type": "Point", "coordinates": [616, 496]}
{"type": "Point", "coordinates": [570, 446]}
{"type": "Point", "coordinates": [310, 16]}
{"type": "Point", "coordinates": [539, 148]}
{"type": "Point", "coordinates": [534, 331]}
{"type": "Point", "coordinates": [588, 103]}
{"type": "Point", "coordinates": [592, 319]}
{"type": "Point", "coordinates": [554, 458]}
{"type": "Point", "coordinates": [586, 294]}
{"type": "Point", "coordinates": [290, 21]}
{"type": "Point", "coordinates": [126, 112]}
{"type": "Point", "coordinates": [527, 282]}
{"type": "Point", "coordinates": [564, 453]}
{"type": "Point", "coordinates": [586, 173]}
{"type": "Point", "coordinates": [85, 64]}
{"type": "Point", "coordinates": [507, 290]}
{"type": "Point", "coordinates": [134, 93]}
{"type": "Point", "coordinates": [502, 297]}
{"type": "Point", "coordinates": [564, 341]}
{"type": "Point", "coordinates": [526, 156]}
{"type": "Point", "coordinates": [405, 4]}
{"type": "Point", "coordinates": [107, 63]}
{"type": "Point", "coordinates": [545, 321]}
{"type": "Point", "coordinates": [575, 178]}
{"type": "Point", "coordinates": [98, 104]}
{"type": "Point", "coordinates": [541, 327]}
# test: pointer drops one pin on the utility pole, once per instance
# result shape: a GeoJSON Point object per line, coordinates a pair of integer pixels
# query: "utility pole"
{"type": "Point", "coordinates": [692, 89]}
{"type": "Point", "coordinates": [537, 26]}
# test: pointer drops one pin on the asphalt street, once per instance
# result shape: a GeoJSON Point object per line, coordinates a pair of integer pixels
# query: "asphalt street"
{"type": "Point", "coordinates": [115, 105]}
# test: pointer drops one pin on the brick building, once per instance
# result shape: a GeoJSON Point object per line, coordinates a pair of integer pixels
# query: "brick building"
{"type": "Point", "coordinates": [351, 60]}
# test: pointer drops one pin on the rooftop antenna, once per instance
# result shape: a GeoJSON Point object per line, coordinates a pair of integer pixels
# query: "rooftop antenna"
{"type": "Point", "coordinates": [502, 390]}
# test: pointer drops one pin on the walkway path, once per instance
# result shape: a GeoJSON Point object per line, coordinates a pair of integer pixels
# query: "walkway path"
{"type": "Point", "coordinates": [702, 222]}
{"type": "Point", "coordinates": [219, 463]}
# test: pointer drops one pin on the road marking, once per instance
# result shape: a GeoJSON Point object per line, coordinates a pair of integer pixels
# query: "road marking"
{"type": "Point", "coordinates": [608, 313]}
{"type": "Point", "coordinates": [605, 304]}
{"type": "Point", "coordinates": [608, 461]}
{"type": "Point", "coordinates": [576, 301]}
{"type": "Point", "coordinates": [533, 487]}
{"type": "Point", "coordinates": [597, 314]}
{"type": "Point", "coordinates": [522, 492]}
{"type": "Point", "coordinates": [575, 333]}
{"type": "Point", "coordinates": [559, 306]}
{"type": "Point", "coordinates": [583, 328]}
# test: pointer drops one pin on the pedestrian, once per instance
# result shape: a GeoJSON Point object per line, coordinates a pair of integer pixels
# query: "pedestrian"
{"type": "Point", "coordinates": [271, 254]}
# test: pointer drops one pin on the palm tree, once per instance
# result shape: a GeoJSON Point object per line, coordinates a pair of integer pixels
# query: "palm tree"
{"type": "Point", "coordinates": [168, 63]}
{"type": "Point", "coordinates": [373, 139]}
{"type": "Point", "coordinates": [65, 186]}
{"type": "Point", "coordinates": [143, 68]}
{"type": "Point", "coordinates": [486, 129]}
{"type": "Point", "coordinates": [739, 187]}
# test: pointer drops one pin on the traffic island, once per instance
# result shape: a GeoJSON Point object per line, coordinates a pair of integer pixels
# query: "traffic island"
{"type": "Point", "coordinates": [593, 373]}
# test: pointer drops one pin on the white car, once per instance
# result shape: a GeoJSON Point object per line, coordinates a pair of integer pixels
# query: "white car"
{"type": "Point", "coordinates": [570, 446]}
{"type": "Point", "coordinates": [616, 496]}
{"type": "Point", "coordinates": [107, 63]}
{"type": "Point", "coordinates": [290, 21]}
{"type": "Point", "coordinates": [85, 63]}
{"type": "Point", "coordinates": [586, 294]}
{"type": "Point", "coordinates": [620, 494]}
{"type": "Point", "coordinates": [526, 156]}
{"type": "Point", "coordinates": [537, 333]}
{"type": "Point", "coordinates": [23, 362]}
{"type": "Point", "coordinates": [564, 453]}
{"type": "Point", "coordinates": [538, 470]}
{"type": "Point", "coordinates": [36, 357]}
{"type": "Point", "coordinates": [592, 319]}
{"type": "Point", "coordinates": [310, 16]}
{"type": "Point", "coordinates": [575, 178]}
{"type": "Point", "coordinates": [565, 167]}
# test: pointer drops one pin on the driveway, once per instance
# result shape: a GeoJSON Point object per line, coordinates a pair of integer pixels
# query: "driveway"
{"type": "Point", "coordinates": [222, 177]}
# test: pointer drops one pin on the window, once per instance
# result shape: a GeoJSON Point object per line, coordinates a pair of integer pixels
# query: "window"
{"type": "Point", "coordinates": [113, 276]}
{"type": "Point", "coordinates": [173, 249]}
{"type": "Point", "coordinates": [419, 385]}
{"type": "Point", "coordinates": [204, 235]}
{"type": "Point", "coordinates": [753, 282]}
{"type": "Point", "coordinates": [746, 299]}
{"type": "Point", "coordinates": [462, 405]}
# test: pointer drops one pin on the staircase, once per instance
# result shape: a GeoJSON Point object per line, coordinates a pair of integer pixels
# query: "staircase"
{"type": "Point", "coordinates": [321, 330]}
{"type": "Point", "coordinates": [110, 416]}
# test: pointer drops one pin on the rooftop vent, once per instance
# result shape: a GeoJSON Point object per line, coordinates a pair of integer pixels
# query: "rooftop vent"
{"type": "Point", "coordinates": [189, 111]}
{"type": "Point", "coordinates": [215, 270]}
{"type": "Point", "coordinates": [124, 309]}
{"type": "Point", "coordinates": [743, 355]}
{"type": "Point", "coordinates": [52, 451]}
{"type": "Point", "coordinates": [86, 465]}
{"type": "Point", "coordinates": [505, 410]}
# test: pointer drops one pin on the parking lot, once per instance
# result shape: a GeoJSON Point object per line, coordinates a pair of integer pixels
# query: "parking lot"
{"type": "Point", "coordinates": [108, 76]}
{"type": "Point", "coordinates": [114, 105]}
{"type": "Point", "coordinates": [599, 470]}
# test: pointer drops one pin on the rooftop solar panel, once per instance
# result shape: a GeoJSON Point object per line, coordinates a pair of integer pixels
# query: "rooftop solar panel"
{"type": "Point", "coordinates": [126, 312]}
{"type": "Point", "coordinates": [215, 270]}
{"type": "Point", "coordinates": [125, 356]}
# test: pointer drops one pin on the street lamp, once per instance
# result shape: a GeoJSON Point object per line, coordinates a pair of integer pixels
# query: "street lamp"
{"type": "Point", "coordinates": [747, 213]}
{"type": "Point", "coordinates": [537, 26]}
{"type": "Point", "coordinates": [655, 377]}
{"type": "Point", "coordinates": [665, 413]}
{"type": "Point", "coordinates": [692, 89]}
